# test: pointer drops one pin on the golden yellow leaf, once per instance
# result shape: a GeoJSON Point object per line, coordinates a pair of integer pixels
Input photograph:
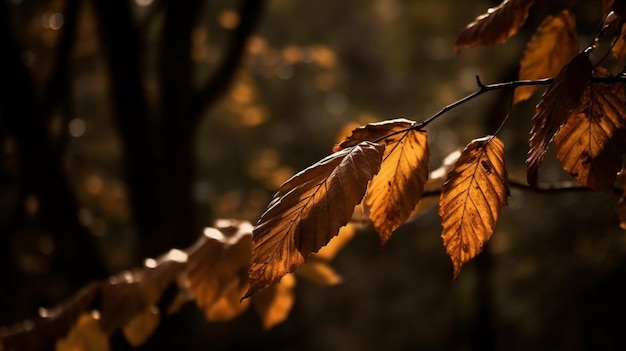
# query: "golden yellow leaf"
{"type": "Point", "coordinates": [308, 210]}
{"type": "Point", "coordinates": [590, 145]}
{"type": "Point", "coordinates": [552, 45]}
{"type": "Point", "coordinates": [86, 335]}
{"type": "Point", "coordinates": [217, 266]}
{"type": "Point", "coordinates": [141, 326]}
{"type": "Point", "coordinates": [561, 97]}
{"type": "Point", "coordinates": [495, 26]}
{"type": "Point", "coordinates": [274, 304]}
{"type": "Point", "coordinates": [397, 188]}
{"type": "Point", "coordinates": [472, 199]}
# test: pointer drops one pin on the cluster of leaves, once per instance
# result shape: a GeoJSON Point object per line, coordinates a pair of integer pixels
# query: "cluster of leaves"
{"type": "Point", "coordinates": [212, 272]}
{"type": "Point", "coordinates": [384, 166]}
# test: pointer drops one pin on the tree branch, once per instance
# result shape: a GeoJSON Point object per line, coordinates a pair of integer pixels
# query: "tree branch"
{"type": "Point", "coordinates": [249, 14]}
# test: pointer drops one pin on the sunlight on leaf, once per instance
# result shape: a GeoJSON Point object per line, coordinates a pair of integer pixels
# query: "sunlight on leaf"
{"type": "Point", "coordinates": [496, 26]}
{"type": "Point", "coordinates": [274, 303]}
{"type": "Point", "coordinates": [548, 50]}
{"type": "Point", "coordinates": [308, 210]}
{"type": "Point", "coordinates": [590, 145]}
{"type": "Point", "coordinates": [217, 268]}
{"type": "Point", "coordinates": [397, 188]}
{"type": "Point", "coordinates": [86, 335]}
{"type": "Point", "coordinates": [472, 199]}
{"type": "Point", "coordinates": [561, 97]}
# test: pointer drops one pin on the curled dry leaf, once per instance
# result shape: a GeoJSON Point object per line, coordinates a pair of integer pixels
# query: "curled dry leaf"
{"type": "Point", "coordinates": [591, 144]}
{"type": "Point", "coordinates": [495, 26]}
{"type": "Point", "coordinates": [308, 210]}
{"type": "Point", "coordinates": [472, 198]}
{"type": "Point", "coordinates": [397, 188]}
{"type": "Point", "coordinates": [561, 97]}
{"type": "Point", "coordinates": [552, 45]}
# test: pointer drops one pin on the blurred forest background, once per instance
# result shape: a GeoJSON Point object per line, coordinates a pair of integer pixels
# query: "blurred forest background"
{"type": "Point", "coordinates": [128, 126]}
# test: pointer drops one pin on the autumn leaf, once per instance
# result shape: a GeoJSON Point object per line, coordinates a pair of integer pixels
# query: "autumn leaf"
{"type": "Point", "coordinates": [274, 304]}
{"type": "Point", "coordinates": [217, 267]}
{"type": "Point", "coordinates": [590, 145]}
{"type": "Point", "coordinates": [131, 292]}
{"type": "Point", "coordinates": [548, 50]}
{"type": "Point", "coordinates": [397, 188]}
{"type": "Point", "coordinates": [561, 97]}
{"type": "Point", "coordinates": [472, 198]}
{"type": "Point", "coordinates": [496, 26]}
{"type": "Point", "coordinates": [619, 49]}
{"type": "Point", "coordinates": [308, 210]}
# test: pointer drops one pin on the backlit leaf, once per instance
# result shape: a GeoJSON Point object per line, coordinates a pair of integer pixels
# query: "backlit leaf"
{"type": "Point", "coordinates": [274, 304]}
{"type": "Point", "coordinates": [561, 97]}
{"type": "Point", "coordinates": [217, 269]}
{"type": "Point", "coordinates": [590, 144]}
{"type": "Point", "coordinates": [472, 199]}
{"type": "Point", "coordinates": [548, 50]}
{"type": "Point", "coordinates": [308, 210]}
{"type": "Point", "coordinates": [496, 26]}
{"type": "Point", "coordinates": [397, 188]}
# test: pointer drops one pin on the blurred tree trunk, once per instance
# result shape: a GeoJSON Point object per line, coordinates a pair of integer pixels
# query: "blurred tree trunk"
{"type": "Point", "coordinates": [26, 118]}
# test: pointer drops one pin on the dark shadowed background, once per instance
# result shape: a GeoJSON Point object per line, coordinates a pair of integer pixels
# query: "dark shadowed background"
{"type": "Point", "coordinates": [128, 126]}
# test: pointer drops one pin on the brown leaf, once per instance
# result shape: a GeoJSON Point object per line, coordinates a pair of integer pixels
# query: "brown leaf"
{"type": "Point", "coordinates": [141, 326]}
{"type": "Point", "coordinates": [86, 335]}
{"type": "Point", "coordinates": [548, 50]}
{"type": "Point", "coordinates": [472, 199]}
{"type": "Point", "coordinates": [496, 26]}
{"type": "Point", "coordinates": [131, 292]}
{"type": "Point", "coordinates": [561, 97]}
{"type": "Point", "coordinates": [308, 210]}
{"type": "Point", "coordinates": [590, 145]}
{"type": "Point", "coordinates": [274, 304]}
{"type": "Point", "coordinates": [217, 268]}
{"type": "Point", "coordinates": [397, 188]}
